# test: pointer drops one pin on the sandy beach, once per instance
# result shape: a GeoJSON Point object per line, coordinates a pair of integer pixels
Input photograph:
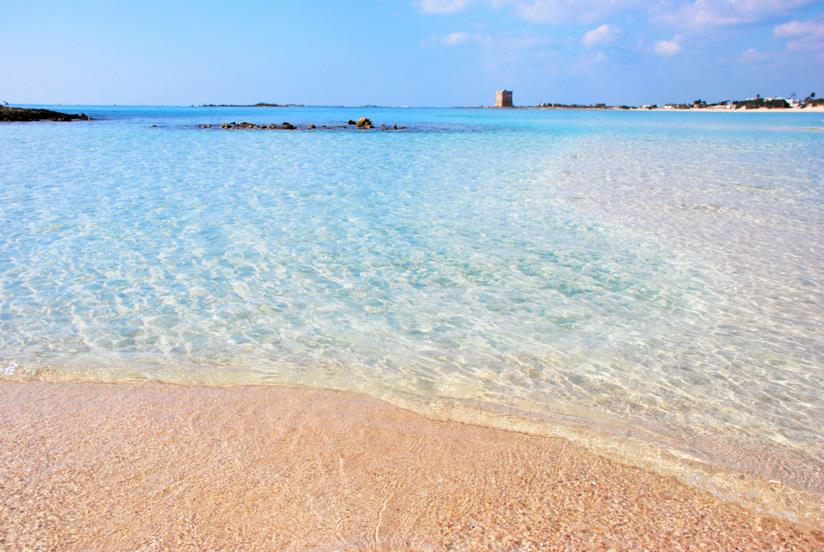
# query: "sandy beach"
{"type": "Point", "coordinates": [724, 109]}
{"type": "Point", "coordinates": [154, 466]}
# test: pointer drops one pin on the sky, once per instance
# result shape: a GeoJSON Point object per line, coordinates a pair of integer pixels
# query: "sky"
{"type": "Point", "coordinates": [407, 52]}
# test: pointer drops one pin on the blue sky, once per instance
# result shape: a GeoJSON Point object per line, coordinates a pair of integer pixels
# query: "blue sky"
{"type": "Point", "coordinates": [408, 52]}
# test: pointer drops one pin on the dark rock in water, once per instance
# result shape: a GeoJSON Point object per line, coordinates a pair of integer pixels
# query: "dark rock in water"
{"type": "Point", "coordinates": [253, 126]}
{"type": "Point", "coordinates": [154, 126]}
{"type": "Point", "coordinates": [362, 123]}
{"type": "Point", "coordinates": [9, 114]}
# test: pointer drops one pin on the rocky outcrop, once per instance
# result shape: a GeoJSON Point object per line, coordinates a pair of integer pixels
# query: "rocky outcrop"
{"type": "Point", "coordinates": [9, 114]}
{"type": "Point", "coordinates": [253, 126]}
{"type": "Point", "coordinates": [362, 124]}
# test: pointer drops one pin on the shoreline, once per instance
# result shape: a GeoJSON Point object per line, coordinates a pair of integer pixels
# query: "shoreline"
{"type": "Point", "coordinates": [765, 486]}
{"type": "Point", "coordinates": [815, 109]}
{"type": "Point", "coordinates": [811, 109]}
{"type": "Point", "coordinates": [151, 464]}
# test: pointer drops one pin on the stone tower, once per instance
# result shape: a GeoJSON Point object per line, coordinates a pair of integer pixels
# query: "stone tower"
{"type": "Point", "coordinates": [503, 98]}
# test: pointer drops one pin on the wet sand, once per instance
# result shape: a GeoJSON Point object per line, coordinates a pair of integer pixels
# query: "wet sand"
{"type": "Point", "coordinates": [152, 466]}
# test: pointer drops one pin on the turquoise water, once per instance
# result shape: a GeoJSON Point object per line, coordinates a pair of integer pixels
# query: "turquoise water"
{"type": "Point", "coordinates": [654, 275]}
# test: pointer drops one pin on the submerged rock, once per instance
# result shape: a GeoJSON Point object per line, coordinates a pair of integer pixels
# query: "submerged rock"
{"type": "Point", "coordinates": [13, 114]}
{"type": "Point", "coordinates": [362, 123]}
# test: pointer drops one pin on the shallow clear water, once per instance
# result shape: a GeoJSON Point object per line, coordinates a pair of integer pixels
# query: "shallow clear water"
{"type": "Point", "coordinates": [659, 275]}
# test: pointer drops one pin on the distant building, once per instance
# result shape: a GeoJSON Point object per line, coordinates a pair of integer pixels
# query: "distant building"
{"type": "Point", "coordinates": [503, 98]}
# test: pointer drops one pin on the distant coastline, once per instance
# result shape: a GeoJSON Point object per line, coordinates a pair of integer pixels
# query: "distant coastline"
{"type": "Point", "coordinates": [808, 104]}
{"type": "Point", "coordinates": [18, 113]}
{"type": "Point", "coordinates": [681, 109]}
{"type": "Point", "coordinates": [259, 104]}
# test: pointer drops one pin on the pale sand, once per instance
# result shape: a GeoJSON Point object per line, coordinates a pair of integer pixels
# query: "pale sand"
{"type": "Point", "coordinates": [715, 109]}
{"type": "Point", "coordinates": [153, 466]}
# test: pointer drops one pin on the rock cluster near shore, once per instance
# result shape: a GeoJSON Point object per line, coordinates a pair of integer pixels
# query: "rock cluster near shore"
{"type": "Point", "coordinates": [363, 124]}
{"type": "Point", "coordinates": [251, 126]}
{"type": "Point", "coordinates": [18, 114]}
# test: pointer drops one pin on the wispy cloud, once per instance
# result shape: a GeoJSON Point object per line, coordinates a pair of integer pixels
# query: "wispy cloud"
{"type": "Point", "coordinates": [500, 43]}
{"type": "Point", "coordinates": [600, 35]}
{"type": "Point", "coordinates": [723, 13]}
{"type": "Point", "coordinates": [692, 14]}
{"type": "Point", "coordinates": [559, 11]}
{"type": "Point", "coordinates": [441, 6]}
{"type": "Point", "coordinates": [753, 55]}
{"type": "Point", "coordinates": [456, 38]}
{"type": "Point", "coordinates": [667, 48]}
{"type": "Point", "coordinates": [802, 35]}
{"type": "Point", "coordinates": [519, 42]}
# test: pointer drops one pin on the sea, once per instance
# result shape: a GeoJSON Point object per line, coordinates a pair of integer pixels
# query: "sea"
{"type": "Point", "coordinates": [648, 283]}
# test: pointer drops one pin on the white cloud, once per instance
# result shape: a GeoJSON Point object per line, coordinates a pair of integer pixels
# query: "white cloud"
{"type": "Point", "coordinates": [802, 35]}
{"type": "Point", "coordinates": [441, 6]}
{"type": "Point", "coordinates": [519, 42]}
{"type": "Point", "coordinates": [678, 13]}
{"type": "Point", "coordinates": [667, 47]}
{"type": "Point", "coordinates": [600, 35]}
{"type": "Point", "coordinates": [751, 55]}
{"type": "Point", "coordinates": [455, 38]}
{"type": "Point", "coordinates": [559, 11]}
{"type": "Point", "coordinates": [499, 43]}
{"type": "Point", "coordinates": [722, 13]}
{"type": "Point", "coordinates": [587, 62]}
{"type": "Point", "coordinates": [686, 14]}
{"type": "Point", "coordinates": [793, 28]}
